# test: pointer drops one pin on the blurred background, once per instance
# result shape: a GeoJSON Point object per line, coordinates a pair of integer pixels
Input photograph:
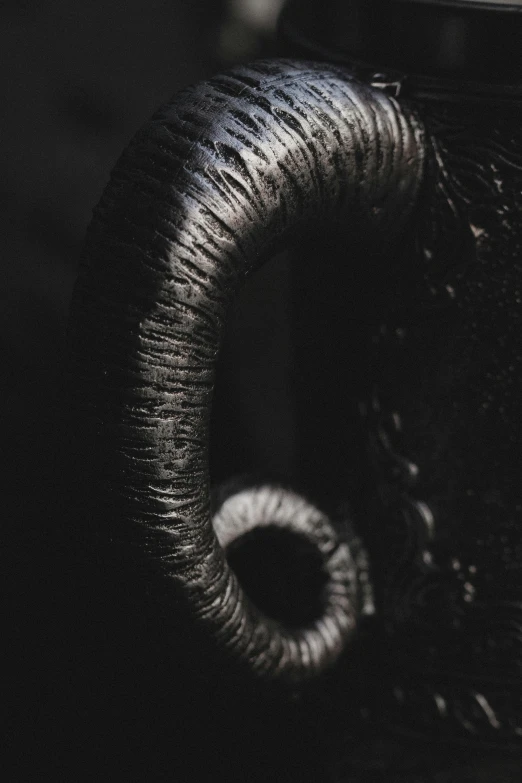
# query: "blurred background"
{"type": "Point", "coordinates": [78, 80]}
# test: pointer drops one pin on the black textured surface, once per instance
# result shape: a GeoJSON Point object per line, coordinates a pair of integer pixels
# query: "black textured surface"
{"type": "Point", "coordinates": [446, 441]}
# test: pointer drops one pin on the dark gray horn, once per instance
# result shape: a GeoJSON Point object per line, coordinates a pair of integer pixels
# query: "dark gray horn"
{"type": "Point", "coordinates": [219, 179]}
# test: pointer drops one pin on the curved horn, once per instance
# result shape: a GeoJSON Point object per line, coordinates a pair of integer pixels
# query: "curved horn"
{"type": "Point", "coordinates": [215, 182]}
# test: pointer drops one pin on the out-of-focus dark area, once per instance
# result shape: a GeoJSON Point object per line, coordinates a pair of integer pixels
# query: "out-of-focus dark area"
{"type": "Point", "coordinates": [77, 82]}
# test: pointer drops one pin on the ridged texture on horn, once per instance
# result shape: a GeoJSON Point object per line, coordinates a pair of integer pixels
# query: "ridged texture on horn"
{"type": "Point", "coordinates": [217, 180]}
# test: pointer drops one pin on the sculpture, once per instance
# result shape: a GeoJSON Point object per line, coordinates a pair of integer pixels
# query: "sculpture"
{"type": "Point", "coordinates": [218, 180]}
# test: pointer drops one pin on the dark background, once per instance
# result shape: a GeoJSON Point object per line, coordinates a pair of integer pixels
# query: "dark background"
{"type": "Point", "coordinates": [78, 80]}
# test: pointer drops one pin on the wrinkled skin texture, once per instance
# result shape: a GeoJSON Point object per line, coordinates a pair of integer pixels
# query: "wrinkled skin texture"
{"type": "Point", "coordinates": [219, 179]}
